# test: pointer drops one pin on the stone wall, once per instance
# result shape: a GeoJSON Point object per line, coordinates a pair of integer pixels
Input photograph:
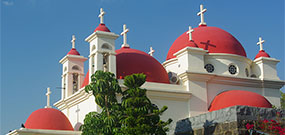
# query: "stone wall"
{"type": "Point", "coordinates": [227, 121]}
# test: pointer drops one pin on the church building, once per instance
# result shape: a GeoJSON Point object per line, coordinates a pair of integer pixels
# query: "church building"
{"type": "Point", "coordinates": [206, 69]}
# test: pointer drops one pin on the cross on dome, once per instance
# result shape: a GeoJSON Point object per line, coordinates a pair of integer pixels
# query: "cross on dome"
{"type": "Point", "coordinates": [48, 98]}
{"type": "Point", "coordinates": [151, 51]}
{"type": "Point", "coordinates": [124, 34]}
{"type": "Point", "coordinates": [101, 15]}
{"type": "Point", "coordinates": [73, 41]}
{"type": "Point", "coordinates": [207, 44]}
{"type": "Point", "coordinates": [189, 32]}
{"type": "Point", "coordinates": [260, 43]}
{"type": "Point", "coordinates": [201, 14]}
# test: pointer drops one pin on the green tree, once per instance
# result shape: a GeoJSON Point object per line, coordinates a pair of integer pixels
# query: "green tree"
{"type": "Point", "coordinates": [282, 100]}
{"type": "Point", "coordinates": [135, 115]}
{"type": "Point", "coordinates": [140, 116]}
{"type": "Point", "coordinates": [104, 86]}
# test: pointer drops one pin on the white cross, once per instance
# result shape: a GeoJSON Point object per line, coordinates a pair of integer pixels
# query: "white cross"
{"type": "Point", "coordinates": [124, 33]}
{"type": "Point", "coordinates": [48, 100]}
{"type": "Point", "coordinates": [260, 43]}
{"type": "Point", "coordinates": [201, 13]}
{"type": "Point", "coordinates": [101, 16]}
{"type": "Point", "coordinates": [151, 51]}
{"type": "Point", "coordinates": [189, 32]}
{"type": "Point", "coordinates": [77, 111]}
{"type": "Point", "coordinates": [73, 41]}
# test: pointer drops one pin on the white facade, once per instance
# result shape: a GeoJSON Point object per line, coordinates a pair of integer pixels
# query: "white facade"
{"type": "Point", "coordinates": [195, 89]}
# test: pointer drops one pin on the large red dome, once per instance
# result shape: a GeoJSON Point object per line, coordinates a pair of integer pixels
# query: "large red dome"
{"type": "Point", "coordinates": [238, 97]}
{"type": "Point", "coordinates": [213, 39]}
{"type": "Point", "coordinates": [130, 61]}
{"type": "Point", "coordinates": [48, 118]}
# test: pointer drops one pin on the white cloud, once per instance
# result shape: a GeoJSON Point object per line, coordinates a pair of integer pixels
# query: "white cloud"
{"type": "Point", "coordinates": [8, 3]}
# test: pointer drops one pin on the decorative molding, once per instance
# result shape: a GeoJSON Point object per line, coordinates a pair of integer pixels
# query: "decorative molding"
{"type": "Point", "coordinates": [26, 131]}
{"type": "Point", "coordinates": [72, 57]}
{"type": "Point", "coordinates": [102, 34]}
{"type": "Point", "coordinates": [155, 90]}
{"type": "Point", "coordinates": [231, 80]}
{"type": "Point", "coordinates": [170, 62]}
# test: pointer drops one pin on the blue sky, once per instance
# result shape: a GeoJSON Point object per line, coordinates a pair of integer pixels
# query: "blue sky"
{"type": "Point", "coordinates": [36, 34]}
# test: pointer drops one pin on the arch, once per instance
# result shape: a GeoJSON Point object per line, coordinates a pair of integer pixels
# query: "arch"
{"type": "Point", "coordinates": [93, 47]}
{"type": "Point", "coordinates": [65, 68]}
{"type": "Point", "coordinates": [106, 46]}
{"type": "Point", "coordinates": [75, 68]}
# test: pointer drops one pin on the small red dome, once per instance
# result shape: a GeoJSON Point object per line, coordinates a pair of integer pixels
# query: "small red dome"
{"type": "Point", "coordinates": [130, 61]}
{"type": "Point", "coordinates": [48, 118]}
{"type": "Point", "coordinates": [262, 53]}
{"type": "Point", "coordinates": [102, 27]}
{"type": "Point", "coordinates": [213, 39]}
{"type": "Point", "coordinates": [73, 51]}
{"type": "Point", "coordinates": [238, 97]}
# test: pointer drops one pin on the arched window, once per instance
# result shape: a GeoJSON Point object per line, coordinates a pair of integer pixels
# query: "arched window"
{"type": "Point", "coordinates": [65, 68]}
{"type": "Point", "coordinates": [75, 68]}
{"type": "Point", "coordinates": [93, 47]}
{"type": "Point", "coordinates": [75, 82]}
{"type": "Point", "coordinates": [106, 46]}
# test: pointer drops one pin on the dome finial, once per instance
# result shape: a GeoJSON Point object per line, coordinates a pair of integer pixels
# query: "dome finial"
{"type": "Point", "coordinates": [48, 98]}
{"type": "Point", "coordinates": [189, 32]}
{"type": "Point", "coordinates": [260, 43]}
{"type": "Point", "coordinates": [151, 51]}
{"type": "Point", "coordinates": [201, 14]}
{"type": "Point", "coordinates": [101, 15]}
{"type": "Point", "coordinates": [73, 41]}
{"type": "Point", "coordinates": [124, 34]}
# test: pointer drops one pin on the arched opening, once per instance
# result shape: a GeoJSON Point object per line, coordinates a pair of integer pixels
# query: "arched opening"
{"type": "Point", "coordinates": [106, 46]}
{"type": "Point", "coordinates": [75, 82]}
{"type": "Point", "coordinates": [75, 68]}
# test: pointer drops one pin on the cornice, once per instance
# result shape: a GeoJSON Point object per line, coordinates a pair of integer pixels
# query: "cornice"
{"type": "Point", "coordinates": [72, 57]}
{"type": "Point", "coordinates": [102, 34]}
{"type": "Point", "coordinates": [227, 56]}
{"type": "Point", "coordinates": [154, 90]}
{"type": "Point", "coordinates": [169, 62]}
{"type": "Point", "coordinates": [26, 131]}
{"type": "Point", "coordinates": [231, 80]}
{"type": "Point", "coordinates": [72, 100]}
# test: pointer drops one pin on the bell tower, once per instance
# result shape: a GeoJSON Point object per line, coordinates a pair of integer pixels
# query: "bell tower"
{"type": "Point", "coordinates": [102, 48]}
{"type": "Point", "coordinates": [72, 71]}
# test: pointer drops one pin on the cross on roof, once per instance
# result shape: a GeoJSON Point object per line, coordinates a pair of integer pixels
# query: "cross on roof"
{"type": "Point", "coordinates": [73, 41]}
{"type": "Point", "coordinates": [201, 14]}
{"type": "Point", "coordinates": [101, 15]}
{"type": "Point", "coordinates": [207, 44]}
{"type": "Point", "coordinates": [260, 43]}
{"type": "Point", "coordinates": [124, 34]}
{"type": "Point", "coordinates": [189, 32]}
{"type": "Point", "coordinates": [151, 51]}
{"type": "Point", "coordinates": [48, 98]}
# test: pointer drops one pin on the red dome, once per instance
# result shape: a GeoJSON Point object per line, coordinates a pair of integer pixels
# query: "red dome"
{"type": "Point", "coordinates": [130, 61]}
{"type": "Point", "coordinates": [48, 118]}
{"type": "Point", "coordinates": [262, 53]}
{"type": "Point", "coordinates": [73, 51]}
{"type": "Point", "coordinates": [102, 27]}
{"type": "Point", "coordinates": [213, 39]}
{"type": "Point", "coordinates": [238, 97]}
